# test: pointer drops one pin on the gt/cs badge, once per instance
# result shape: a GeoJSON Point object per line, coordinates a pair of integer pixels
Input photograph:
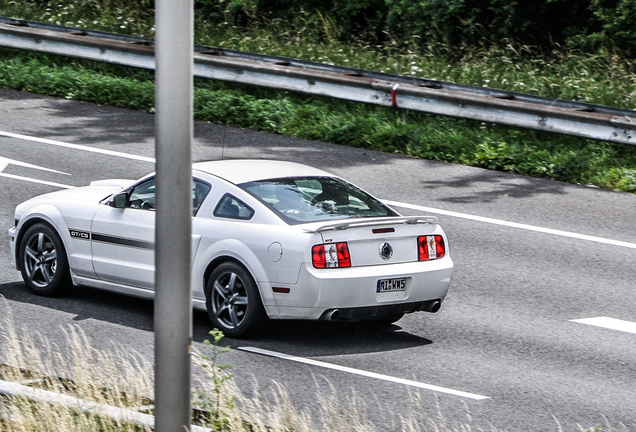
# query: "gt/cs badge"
{"type": "Point", "coordinates": [386, 251]}
{"type": "Point", "coordinates": [80, 234]}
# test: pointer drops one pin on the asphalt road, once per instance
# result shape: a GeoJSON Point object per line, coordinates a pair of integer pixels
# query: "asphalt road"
{"type": "Point", "coordinates": [530, 257]}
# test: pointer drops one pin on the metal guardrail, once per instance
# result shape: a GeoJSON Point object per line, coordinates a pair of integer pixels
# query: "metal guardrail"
{"type": "Point", "coordinates": [116, 414]}
{"type": "Point", "coordinates": [419, 94]}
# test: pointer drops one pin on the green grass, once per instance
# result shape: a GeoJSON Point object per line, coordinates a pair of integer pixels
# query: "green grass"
{"type": "Point", "coordinates": [604, 78]}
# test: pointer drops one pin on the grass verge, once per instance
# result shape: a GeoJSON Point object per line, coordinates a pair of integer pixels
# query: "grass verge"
{"type": "Point", "coordinates": [119, 378]}
{"type": "Point", "coordinates": [604, 78]}
{"type": "Point", "coordinates": [122, 379]}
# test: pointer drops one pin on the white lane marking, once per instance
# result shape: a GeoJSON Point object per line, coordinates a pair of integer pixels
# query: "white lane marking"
{"type": "Point", "coordinates": [32, 180]}
{"type": "Point", "coordinates": [609, 323]}
{"type": "Point", "coordinates": [4, 162]}
{"type": "Point", "coordinates": [364, 373]}
{"type": "Point", "coordinates": [77, 147]}
{"type": "Point", "coordinates": [513, 224]}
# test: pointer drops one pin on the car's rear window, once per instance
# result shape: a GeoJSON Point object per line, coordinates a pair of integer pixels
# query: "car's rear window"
{"type": "Point", "coordinates": [315, 199]}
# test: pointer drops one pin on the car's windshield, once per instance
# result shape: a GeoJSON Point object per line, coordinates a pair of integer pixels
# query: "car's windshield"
{"type": "Point", "coordinates": [315, 199]}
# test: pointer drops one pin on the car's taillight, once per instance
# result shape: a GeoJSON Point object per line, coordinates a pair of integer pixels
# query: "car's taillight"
{"type": "Point", "coordinates": [430, 247]}
{"type": "Point", "coordinates": [331, 255]}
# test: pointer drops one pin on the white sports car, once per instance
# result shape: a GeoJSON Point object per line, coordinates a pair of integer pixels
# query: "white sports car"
{"type": "Point", "coordinates": [270, 239]}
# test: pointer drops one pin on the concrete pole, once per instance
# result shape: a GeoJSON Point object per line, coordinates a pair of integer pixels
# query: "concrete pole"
{"type": "Point", "coordinates": [173, 297]}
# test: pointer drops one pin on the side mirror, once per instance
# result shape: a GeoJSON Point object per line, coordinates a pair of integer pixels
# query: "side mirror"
{"type": "Point", "coordinates": [118, 201]}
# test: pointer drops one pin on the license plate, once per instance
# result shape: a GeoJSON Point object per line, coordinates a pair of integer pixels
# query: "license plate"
{"type": "Point", "coordinates": [388, 285]}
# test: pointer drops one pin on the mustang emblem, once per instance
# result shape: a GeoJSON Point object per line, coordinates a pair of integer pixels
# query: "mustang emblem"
{"type": "Point", "coordinates": [386, 251]}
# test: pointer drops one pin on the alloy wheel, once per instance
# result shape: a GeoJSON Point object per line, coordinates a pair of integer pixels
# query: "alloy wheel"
{"type": "Point", "coordinates": [40, 259]}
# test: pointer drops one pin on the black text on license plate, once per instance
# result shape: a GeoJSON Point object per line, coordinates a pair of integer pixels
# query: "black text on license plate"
{"type": "Point", "coordinates": [388, 285]}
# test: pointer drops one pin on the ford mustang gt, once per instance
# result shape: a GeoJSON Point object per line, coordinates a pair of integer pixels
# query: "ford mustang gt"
{"type": "Point", "coordinates": [270, 239]}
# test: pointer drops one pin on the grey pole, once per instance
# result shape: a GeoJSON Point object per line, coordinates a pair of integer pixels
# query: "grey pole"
{"type": "Point", "coordinates": [173, 298]}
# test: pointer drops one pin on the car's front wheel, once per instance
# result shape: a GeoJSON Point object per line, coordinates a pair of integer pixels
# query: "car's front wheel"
{"type": "Point", "coordinates": [43, 261]}
{"type": "Point", "coordinates": [233, 302]}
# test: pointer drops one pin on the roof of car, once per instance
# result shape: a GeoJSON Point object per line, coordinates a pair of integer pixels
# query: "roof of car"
{"type": "Point", "coordinates": [239, 171]}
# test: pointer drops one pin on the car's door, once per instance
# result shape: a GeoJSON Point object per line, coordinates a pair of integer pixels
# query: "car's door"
{"type": "Point", "coordinates": [122, 239]}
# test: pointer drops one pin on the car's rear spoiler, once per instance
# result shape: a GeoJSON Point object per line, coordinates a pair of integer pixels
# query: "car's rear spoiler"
{"type": "Point", "coordinates": [356, 223]}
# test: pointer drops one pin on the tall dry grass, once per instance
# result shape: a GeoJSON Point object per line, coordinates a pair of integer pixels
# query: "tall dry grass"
{"type": "Point", "coordinates": [75, 370]}
{"type": "Point", "coordinates": [72, 369]}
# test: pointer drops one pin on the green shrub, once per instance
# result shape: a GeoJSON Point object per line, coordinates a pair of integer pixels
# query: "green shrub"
{"type": "Point", "coordinates": [617, 22]}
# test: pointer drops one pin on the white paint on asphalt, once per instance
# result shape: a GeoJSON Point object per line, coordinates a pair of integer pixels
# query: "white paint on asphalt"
{"type": "Point", "coordinates": [77, 147]}
{"type": "Point", "coordinates": [364, 373]}
{"type": "Point", "coordinates": [513, 224]}
{"type": "Point", "coordinates": [32, 180]}
{"type": "Point", "coordinates": [4, 162]}
{"type": "Point", "coordinates": [609, 323]}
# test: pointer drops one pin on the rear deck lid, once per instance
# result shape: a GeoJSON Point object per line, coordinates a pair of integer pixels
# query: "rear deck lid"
{"type": "Point", "coordinates": [378, 241]}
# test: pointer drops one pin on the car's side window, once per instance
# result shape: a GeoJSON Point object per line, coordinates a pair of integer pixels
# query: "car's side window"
{"type": "Point", "coordinates": [199, 192]}
{"type": "Point", "coordinates": [142, 196]}
{"type": "Point", "coordinates": [233, 208]}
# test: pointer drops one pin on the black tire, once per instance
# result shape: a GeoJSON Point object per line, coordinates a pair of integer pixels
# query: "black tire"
{"type": "Point", "coordinates": [43, 261]}
{"type": "Point", "coordinates": [233, 301]}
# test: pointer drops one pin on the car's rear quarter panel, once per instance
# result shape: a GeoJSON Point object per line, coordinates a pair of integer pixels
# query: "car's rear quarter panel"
{"type": "Point", "coordinates": [255, 246]}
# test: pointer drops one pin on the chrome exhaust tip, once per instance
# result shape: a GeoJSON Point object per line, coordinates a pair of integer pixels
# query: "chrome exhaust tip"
{"type": "Point", "coordinates": [433, 306]}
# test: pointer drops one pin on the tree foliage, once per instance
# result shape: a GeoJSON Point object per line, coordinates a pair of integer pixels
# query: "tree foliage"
{"type": "Point", "coordinates": [583, 24]}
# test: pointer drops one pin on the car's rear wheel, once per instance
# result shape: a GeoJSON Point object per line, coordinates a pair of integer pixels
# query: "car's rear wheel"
{"type": "Point", "coordinates": [233, 302]}
{"type": "Point", "coordinates": [43, 261]}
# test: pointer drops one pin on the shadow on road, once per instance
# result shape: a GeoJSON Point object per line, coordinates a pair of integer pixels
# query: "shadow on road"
{"type": "Point", "coordinates": [301, 338]}
{"type": "Point", "coordinates": [487, 186]}
{"type": "Point", "coordinates": [87, 303]}
{"type": "Point", "coordinates": [321, 338]}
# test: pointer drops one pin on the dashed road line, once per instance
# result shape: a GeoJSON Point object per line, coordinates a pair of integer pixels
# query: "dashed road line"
{"type": "Point", "coordinates": [609, 323]}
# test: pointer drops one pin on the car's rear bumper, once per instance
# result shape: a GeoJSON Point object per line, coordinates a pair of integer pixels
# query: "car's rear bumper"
{"type": "Point", "coordinates": [353, 291]}
{"type": "Point", "coordinates": [379, 312]}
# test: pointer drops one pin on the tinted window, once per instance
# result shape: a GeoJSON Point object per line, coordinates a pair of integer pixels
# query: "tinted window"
{"type": "Point", "coordinates": [314, 199]}
{"type": "Point", "coordinates": [199, 192]}
{"type": "Point", "coordinates": [232, 208]}
{"type": "Point", "coordinates": [142, 196]}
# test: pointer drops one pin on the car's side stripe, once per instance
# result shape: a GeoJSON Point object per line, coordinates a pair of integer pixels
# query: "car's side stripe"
{"type": "Point", "coordinates": [139, 244]}
{"type": "Point", "coordinates": [104, 238]}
